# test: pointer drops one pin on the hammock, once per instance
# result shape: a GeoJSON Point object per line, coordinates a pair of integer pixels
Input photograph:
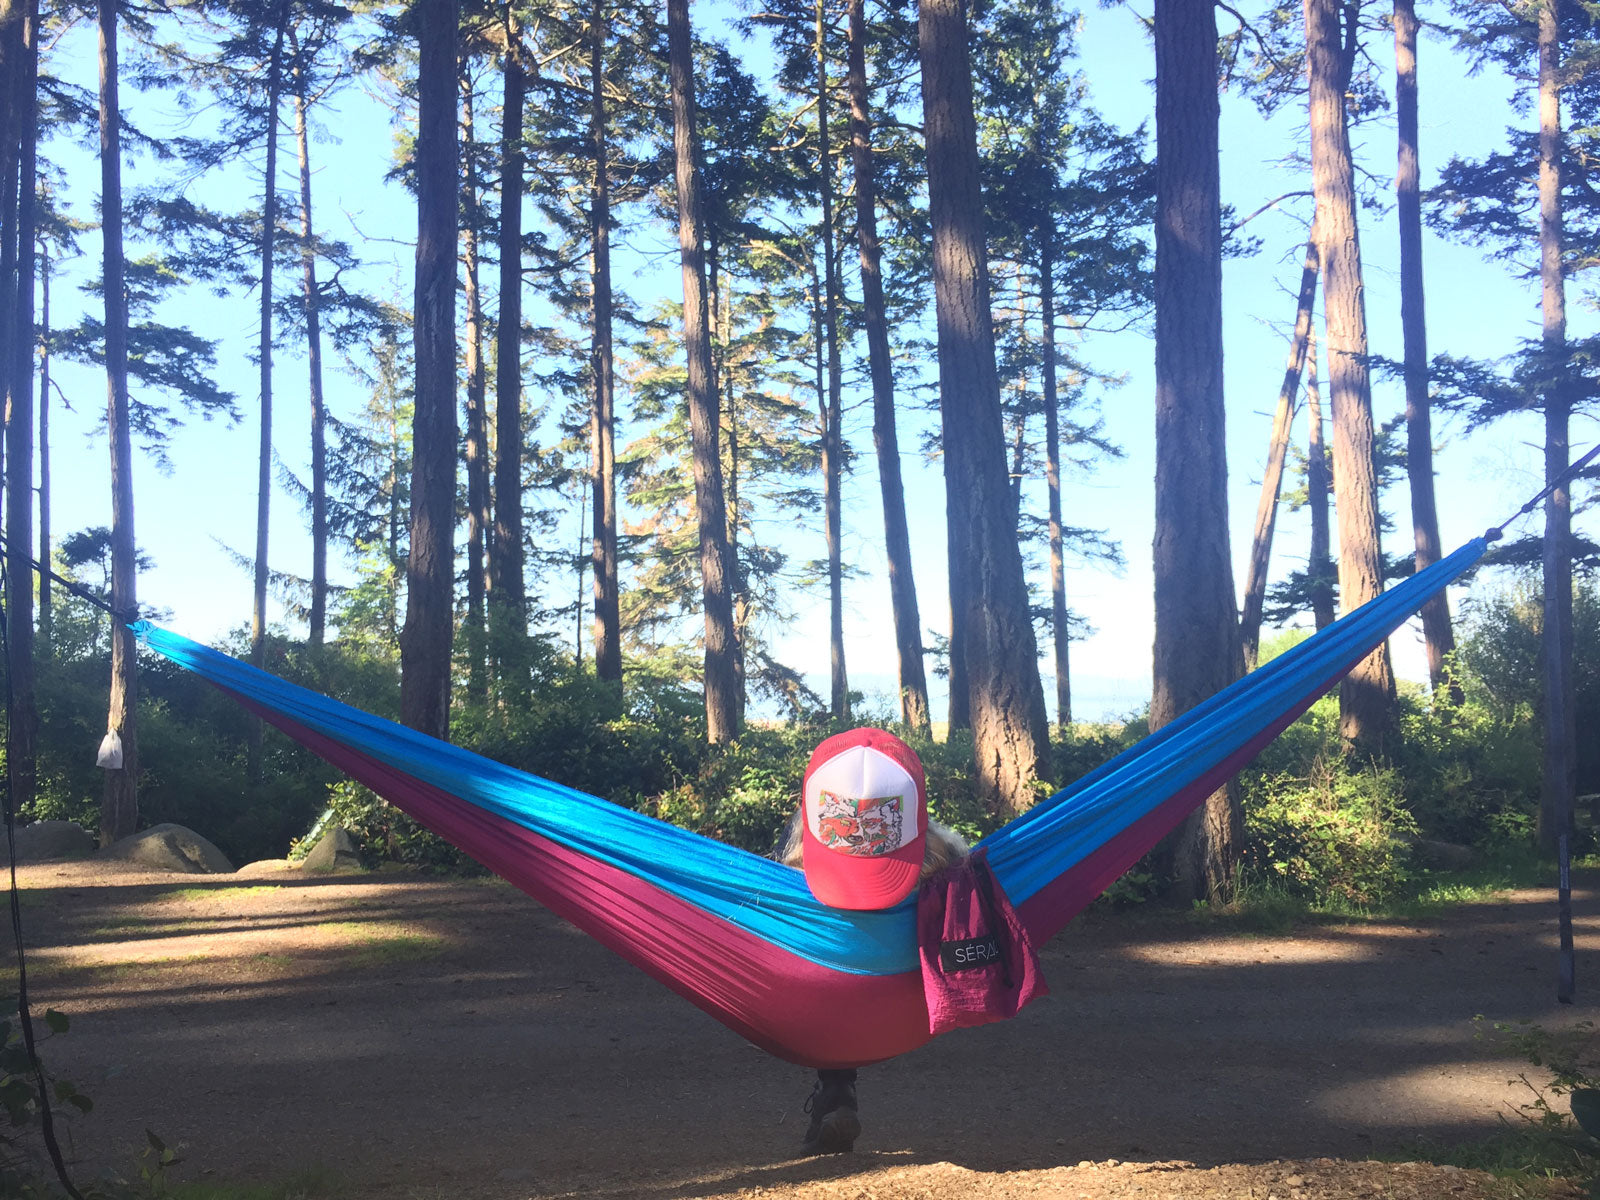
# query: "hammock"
{"type": "Point", "coordinates": [741, 936]}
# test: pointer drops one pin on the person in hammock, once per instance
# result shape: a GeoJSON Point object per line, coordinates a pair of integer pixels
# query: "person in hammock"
{"type": "Point", "coordinates": [864, 839]}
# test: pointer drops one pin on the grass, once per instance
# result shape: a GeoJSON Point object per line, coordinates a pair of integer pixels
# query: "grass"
{"type": "Point", "coordinates": [1517, 1155]}
{"type": "Point", "coordinates": [309, 1184]}
{"type": "Point", "coordinates": [190, 894]}
{"type": "Point", "coordinates": [1268, 909]}
{"type": "Point", "coordinates": [375, 946]}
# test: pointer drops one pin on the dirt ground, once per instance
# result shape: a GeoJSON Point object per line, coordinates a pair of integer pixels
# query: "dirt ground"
{"type": "Point", "coordinates": [430, 1039]}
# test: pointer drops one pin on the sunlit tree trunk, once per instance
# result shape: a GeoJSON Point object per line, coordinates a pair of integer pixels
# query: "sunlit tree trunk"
{"type": "Point", "coordinates": [319, 412]}
{"type": "Point", "coordinates": [1255, 587]}
{"type": "Point", "coordinates": [833, 412]}
{"type": "Point", "coordinates": [1559, 779]}
{"type": "Point", "coordinates": [1367, 694]}
{"type": "Point", "coordinates": [425, 641]}
{"type": "Point", "coordinates": [1196, 624]}
{"type": "Point", "coordinates": [720, 682]}
{"type": "Point", "coordinates": [119, 808]}
{"type": "Point", "coordinates": [1319, 564]}
{"type": "Point", "coordinates": [914, 709]}
{"type": "Point", "coordinates": [1009, 726]}
{"type": "Point", "coordinates": [480, 512]}
{"type": "Point", "coordinates": [46, 591]}
{"type": "Point", "coordinates": [1059, 627]}
{"type": "Point", "coordinates": [607, 614]}
{"type": "Point", "coordinates": [508, 607]}
{"type": "Point", "coordinates": [269, 229]}
{"type": "Point", "coordinates": [1436, 628]}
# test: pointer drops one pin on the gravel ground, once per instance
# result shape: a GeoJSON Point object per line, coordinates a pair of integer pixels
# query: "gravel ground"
{"type": "Point", "coordinates": [417, 1038]}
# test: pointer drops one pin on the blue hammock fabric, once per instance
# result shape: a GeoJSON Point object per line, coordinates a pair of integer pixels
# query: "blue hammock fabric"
{"type": "Point", "coordinates": [741, 936]}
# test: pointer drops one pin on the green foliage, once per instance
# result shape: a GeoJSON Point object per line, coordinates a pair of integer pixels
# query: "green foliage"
{"type": "Point", "coordinates": [1333, 832]}
{"type": "Point", "coordinates": [22, 1102]}
{"type": "Point", "coordinates": [1557, 1126]}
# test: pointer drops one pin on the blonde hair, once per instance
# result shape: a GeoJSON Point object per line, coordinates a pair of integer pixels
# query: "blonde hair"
{"type": "Point", "coordinates": [944, 847]}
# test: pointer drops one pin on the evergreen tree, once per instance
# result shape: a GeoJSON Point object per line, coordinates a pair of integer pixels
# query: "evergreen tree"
{"type": "Point", "coordinates": [1001, 657]}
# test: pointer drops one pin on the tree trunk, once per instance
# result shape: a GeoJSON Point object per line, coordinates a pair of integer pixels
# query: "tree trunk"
{"type": "Point", "coordinates": [119, 808]}
{"type": "Point", "coordinates": [269, 229]}
{"type": "Point", "coordinates": [319, 412]}
{"type": "Point", "coordinates": [832, 417]}
{"type": "Point", "coordinates": [22, 725]}
{"type": "Point", "coordinates": [1319, 564]}
{"type": "Point", "coordinates": [1196, 626]}
{"type": "Point", "coordinates": [1367, 694]}
{"type": "Point", "coordinates": [480, 515]}
{"type": "Point", "coordinates": [46, 591]}
{"type": "Point", "coordinates": [607, 614]}
{"type": "Point", "coordinates": [1255, 587]}
{"type": "Point", "coordinates": [1559, 777]}
{"type": "Point", "coordinates": [914, 709]}
{"type": "Point", "coordinates": [11, 77]}
{"type": "Point", "coordinates": [721, 684]}
{"type": "Point", "coordinates": [430, 566]}
{"type": "Point", "coordinates": [508, 607]}
{"type": "Point", "coordinates": [1059, 627]}
{"type": "Point", "coordinates": [1436, 628]}
{"type": "Point", "coordinates": [1010, 730]}
{"type": "Point", "coordinates": [741, 580]}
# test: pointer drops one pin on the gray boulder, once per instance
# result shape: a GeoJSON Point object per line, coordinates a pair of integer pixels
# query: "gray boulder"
{"type": "Point", "coordinates": [171, 847]}
{"type": "Point", "coordinates": [335, 851]}
{"type": "Point", "coordinates": [1442, 856]}
{"type": "Point", "coordinates": [45, 840]}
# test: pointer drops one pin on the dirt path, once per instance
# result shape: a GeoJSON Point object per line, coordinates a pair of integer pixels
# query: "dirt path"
{"type": "Point", "coordinates": [423, 1038]}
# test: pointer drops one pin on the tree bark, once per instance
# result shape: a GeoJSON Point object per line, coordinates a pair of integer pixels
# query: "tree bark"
{"type": "Point", "coordinates": [914, 710]}
{"type": "Point", "coordinates": [607, 613]}
{"type": "Point", "coordinates": [1059, 627]}
{"type": "Point", "coordinates": [480, 513]}
{"type": "Point", "coordinates": [1196, 627]}
{"type": "Point", "coordinates": [1319, 564]}
{"type": "Point", "coordinates": [119, 807]}
{"type": "Point", "coordinates": [22, 726]}
{"type": "Point", "coordinates": [1558, 781]}
{"type": "Point", "coordinates": [430, 567]}
{"type": "Point", "coordinates": [1367, 694]}
{"type": "Point", "coordinates": [319, 412]}
{"type": "Point", "coordinates": [46, 591]}
{"type": "Point", "coordinates": [1010, 730]}
{"type": "Point", "coordinates": [508, 606]}
{"type": "Point", "coordinates": [720, 682]}
{"type": "Point", "coordinates": [832, 416]}
{"type": "Point", "coordinates": [1255, 587]}
{"type": "Point", "coordinates": [1436, 628]}
{"type": "Point", "coordinates": [269, 229]}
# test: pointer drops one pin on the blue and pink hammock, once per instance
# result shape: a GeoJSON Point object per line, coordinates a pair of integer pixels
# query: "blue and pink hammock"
{"type": "Point", "coordinates": [741, 936]}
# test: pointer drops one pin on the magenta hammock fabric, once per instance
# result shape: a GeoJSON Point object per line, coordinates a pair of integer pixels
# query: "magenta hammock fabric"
{"type": "Point", "coordinates": [741, 936]}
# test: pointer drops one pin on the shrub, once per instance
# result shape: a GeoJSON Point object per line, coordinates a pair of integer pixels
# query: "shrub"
{"type": "Point", "coordinates": [1335, 833]}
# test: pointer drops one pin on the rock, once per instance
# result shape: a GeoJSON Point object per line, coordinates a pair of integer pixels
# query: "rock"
{"type": "Point", "coordinates": [267, 866]}
{"type": "Point", "coordinates": [169, 847]}
{"type": "Point", "coordinates": [335, 851]}
{"type": "Point", "coordinates": [1442, 856]}
{"type": "Point", "coordinates": [44, 840]}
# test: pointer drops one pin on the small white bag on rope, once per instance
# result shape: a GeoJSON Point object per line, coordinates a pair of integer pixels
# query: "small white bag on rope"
{"type": "Point", "coordinates": [110, 756]}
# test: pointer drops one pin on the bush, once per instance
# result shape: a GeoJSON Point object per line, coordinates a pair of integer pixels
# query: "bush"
{"type": "Point", "coordinates": [1336, 833]}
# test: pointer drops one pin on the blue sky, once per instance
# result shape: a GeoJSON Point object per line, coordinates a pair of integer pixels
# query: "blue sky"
{"type": "Point", "coordinates": [189, 520]}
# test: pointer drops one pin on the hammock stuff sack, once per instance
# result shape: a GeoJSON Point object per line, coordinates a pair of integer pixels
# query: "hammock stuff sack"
{"type": "Point", "coordinates": [740, 935]}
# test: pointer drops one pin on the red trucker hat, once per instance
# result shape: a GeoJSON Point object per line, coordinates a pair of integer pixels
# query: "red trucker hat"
{"type": "Point", "coordinates": [865, 809]}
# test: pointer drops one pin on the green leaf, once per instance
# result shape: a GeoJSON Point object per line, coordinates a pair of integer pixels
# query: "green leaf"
{"type": "Point", "coordinates": [156, 1143]}
{"type": "Point", "coordinates": [80, 1102]}
{"type": "Point", "coordinates": [56, 1020]}
{"type": "Point", "coordinates": [1586, 1110]}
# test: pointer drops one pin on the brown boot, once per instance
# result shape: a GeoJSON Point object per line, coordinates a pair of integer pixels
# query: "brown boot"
{"type": "Point", "coordinates": [835, 1124]}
